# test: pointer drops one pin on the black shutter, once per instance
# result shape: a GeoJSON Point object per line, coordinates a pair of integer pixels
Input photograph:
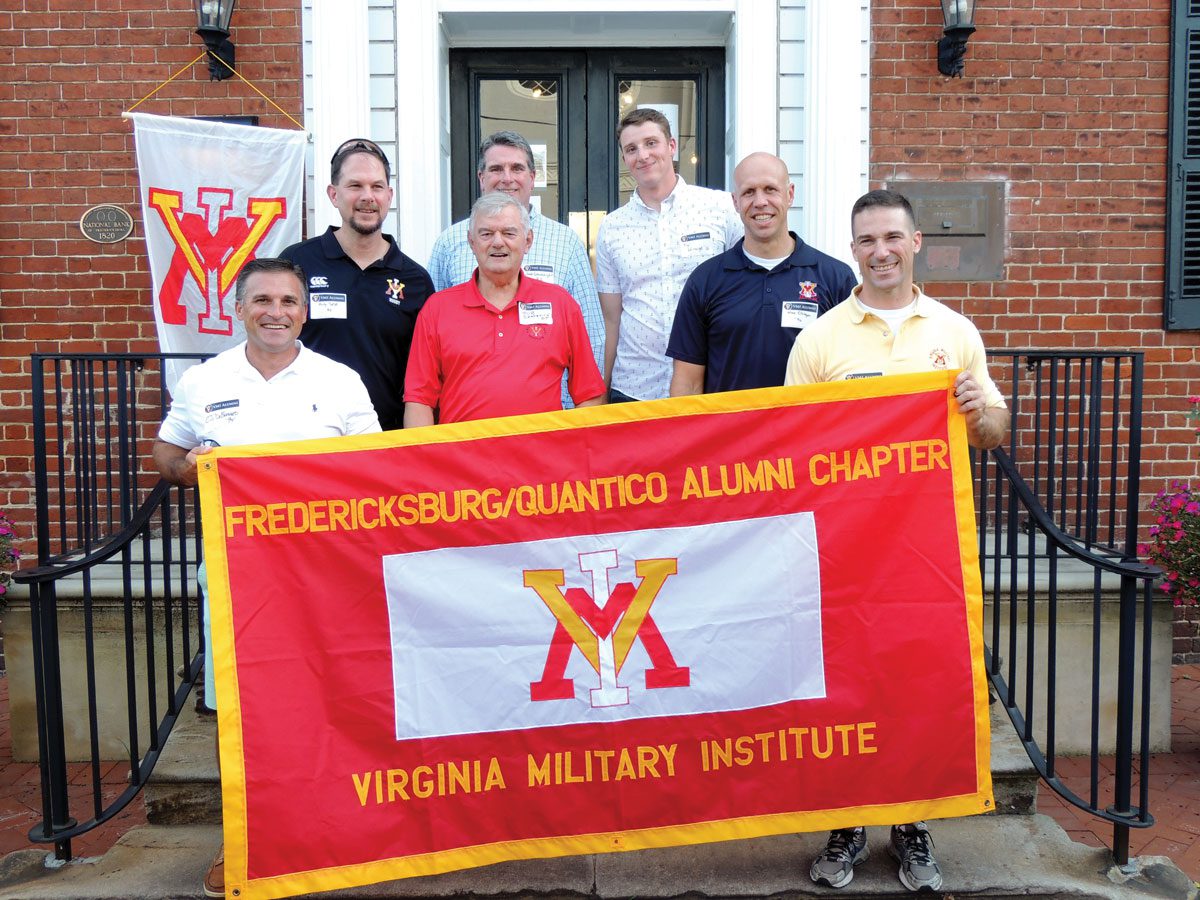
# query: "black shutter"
{"type": "Point", "coordinates": [1181, 309]}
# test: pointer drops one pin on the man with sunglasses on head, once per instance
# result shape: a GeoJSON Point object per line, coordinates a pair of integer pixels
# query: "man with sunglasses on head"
{"type": "Point", "coordinates": [364, 294]}
{"type": "Point", "coordinates": [557, 256]}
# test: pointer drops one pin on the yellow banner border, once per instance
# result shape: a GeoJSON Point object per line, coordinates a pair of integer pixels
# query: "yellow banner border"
{"type": "Point", "coordinates": [233, 779]}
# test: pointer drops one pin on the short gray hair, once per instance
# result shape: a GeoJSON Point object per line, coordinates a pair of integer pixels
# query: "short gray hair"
{"type": "Point", "coordinates": [503, 139]}
{"type": "Point", "coordinates": [494, 203]}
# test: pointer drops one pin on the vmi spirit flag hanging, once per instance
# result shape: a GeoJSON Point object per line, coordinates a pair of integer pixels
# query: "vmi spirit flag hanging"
{"type": "Point", "coordinates": [595, 630]}
{"type": "Point", "coordinates": [214, 196]}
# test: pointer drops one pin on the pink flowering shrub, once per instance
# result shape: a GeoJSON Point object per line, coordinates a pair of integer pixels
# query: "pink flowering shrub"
{"type": "Point", "coordinates": [1174, 544]}
{"type": "Point", "coordinates": [9, 556]}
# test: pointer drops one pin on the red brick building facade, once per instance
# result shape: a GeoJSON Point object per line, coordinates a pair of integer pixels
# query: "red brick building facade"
{"type": "Point", "coordinates": [1064, 100]}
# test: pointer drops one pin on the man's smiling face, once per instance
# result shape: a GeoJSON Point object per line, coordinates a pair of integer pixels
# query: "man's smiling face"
{"type": "Point", "coordinates": [885, 245]}
{"type": "Point", "coordinates": [506, 169]}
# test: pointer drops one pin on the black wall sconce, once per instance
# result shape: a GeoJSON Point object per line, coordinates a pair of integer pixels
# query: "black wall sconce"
{"type": "Point", "coordinates": [959, 16]}
{"type": "Point", "coordinates": [212, 17]}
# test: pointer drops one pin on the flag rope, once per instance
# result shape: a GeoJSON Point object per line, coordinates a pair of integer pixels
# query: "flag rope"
{"type": "Point", "coordinates": [253, 87]}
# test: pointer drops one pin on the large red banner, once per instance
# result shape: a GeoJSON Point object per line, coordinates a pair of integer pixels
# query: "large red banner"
{"type": "Point", "coordinates": [595, 630]}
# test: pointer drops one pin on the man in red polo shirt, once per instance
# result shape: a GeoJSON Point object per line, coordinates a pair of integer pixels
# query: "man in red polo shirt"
{"type": "Point", "coordinates": [498, 344]}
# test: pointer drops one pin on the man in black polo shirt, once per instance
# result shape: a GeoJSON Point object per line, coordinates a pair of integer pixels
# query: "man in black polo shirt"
{"type": "Point", "coordinates": [741, 310]}
{"type": "Point", "coordinates": [364, 294]}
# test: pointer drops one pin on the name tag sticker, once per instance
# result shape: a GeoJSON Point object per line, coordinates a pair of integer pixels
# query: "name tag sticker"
{"type": "Point", "coordinates": [798, 313]}
{"type": "Point", "coordinates": [697, 236]}
{"type": "Point", "coordinates": [535, 314]}
{"type": "Point", "coordinates": [327, 306]}
{"type": "Point", "coordinates": [541, 272]}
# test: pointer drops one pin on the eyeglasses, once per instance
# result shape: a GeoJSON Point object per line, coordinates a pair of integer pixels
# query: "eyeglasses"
{"type": "Point", "coordinates": [360, 145]}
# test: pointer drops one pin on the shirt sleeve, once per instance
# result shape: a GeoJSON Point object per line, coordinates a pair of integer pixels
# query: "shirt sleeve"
{"type": "Point", "coordinates": [608, 278]}
{"type": "Point", "coordinates": [844, 289]}
{"type": "Point", "coordinates": [360, 416]}
{"type": "Point", "coordinates": [440, 261]}
{"type": "Point", "coordinates": [177, 427]}
{"type": "Point", "coordinates": [584, 379]}
{"type": "Point", "coordinates": [801, 364]}
{"type": "Point", "coordinates": [976, 362]}
{"type": "Point", "coordinates": [423, 377]}
{"type": "Point", "coordinates": [689, 335]}
{"type": "Point", "coordinates": [734, 229]}
{"type": "Point", "coordinates": [580, 285]}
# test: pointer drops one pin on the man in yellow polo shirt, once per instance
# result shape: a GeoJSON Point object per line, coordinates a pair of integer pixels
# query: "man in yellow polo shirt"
{"type": "Point", "coordinates": [888, 326]}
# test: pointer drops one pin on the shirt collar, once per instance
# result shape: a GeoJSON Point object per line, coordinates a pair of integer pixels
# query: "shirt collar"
{"type": "Point", "coordinates": [859, 311]}
{"type": "Point", "coordinates": [474, 298]}
{"type": "Point", "coordinates": [667, 202]}
{"type": "Point", "coordinates": [246, 370]}
{"type": "Point", "coordinates": [801, 255]}
{"type": "Point", "coordinates": [332, 249]}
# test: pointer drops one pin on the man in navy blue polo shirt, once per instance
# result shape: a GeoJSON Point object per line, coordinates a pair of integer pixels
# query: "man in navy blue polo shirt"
{"type": "Point", "coordinates": [740, 311]}
{"type": "Point", "coordinates": [363, 293]}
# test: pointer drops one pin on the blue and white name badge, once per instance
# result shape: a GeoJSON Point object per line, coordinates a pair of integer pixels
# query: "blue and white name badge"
{"type": "Point", "coordinates": [798, 313]}
{"type": "Point", "coordinates": [221, 411]}
{"type": "Point", "coordinates": [327, 306]}
{"type": "Point", "coordinates": [535, 313]}
{"type": "Point", "coordinates": [541, 271]}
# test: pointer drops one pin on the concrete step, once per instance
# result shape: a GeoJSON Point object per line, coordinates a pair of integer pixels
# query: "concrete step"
{"type": "Point", "coordinates": [985, 856]}
{"type": "Point", "coordinates": [184, 788]}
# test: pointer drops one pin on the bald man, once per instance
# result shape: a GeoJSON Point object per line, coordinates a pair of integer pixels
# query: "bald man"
{"type": "Point", "coordinates": [740, 312]}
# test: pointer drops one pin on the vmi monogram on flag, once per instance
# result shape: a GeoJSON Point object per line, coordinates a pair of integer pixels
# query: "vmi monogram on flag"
{"type": "Point", "coordinates": [214, 196]}
{"type": "Point", "coordinates": [595, 630]}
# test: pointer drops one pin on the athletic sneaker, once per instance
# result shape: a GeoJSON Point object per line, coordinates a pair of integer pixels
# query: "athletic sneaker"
{"type": "Point", "coordinates": [844, 850]}
{"type": "Point", "coordinates": [912, 845]}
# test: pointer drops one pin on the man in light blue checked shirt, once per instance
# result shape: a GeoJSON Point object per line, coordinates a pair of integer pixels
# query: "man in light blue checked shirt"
{"type": "Point", "coordinates": [557, 255]}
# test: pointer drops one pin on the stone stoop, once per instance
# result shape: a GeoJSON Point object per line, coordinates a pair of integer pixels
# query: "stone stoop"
{"type": "Point", "coordinates": [1013, 854]}
{"type": "Point", "coordinates": [982, 856]}
{"type": "Point", "coordinates": [184, 788]}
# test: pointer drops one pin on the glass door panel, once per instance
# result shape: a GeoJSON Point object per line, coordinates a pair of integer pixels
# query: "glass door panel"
{"type": "Point", "coordinates": [569, 102]}
{"type": "Point", "coordinates": [675, 98]}
{"type": "Point", "coordinates": [528, 106]}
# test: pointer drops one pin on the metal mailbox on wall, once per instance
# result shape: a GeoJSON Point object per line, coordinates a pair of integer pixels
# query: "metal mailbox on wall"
{"type": "Point", "coordinates": [962, 227]}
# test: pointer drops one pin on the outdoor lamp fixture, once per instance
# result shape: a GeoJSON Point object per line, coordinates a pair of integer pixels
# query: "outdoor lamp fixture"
{"type": "Point", "coordinates": [213, 18]}
{"type": "Point", "coordinates": [959, 16]}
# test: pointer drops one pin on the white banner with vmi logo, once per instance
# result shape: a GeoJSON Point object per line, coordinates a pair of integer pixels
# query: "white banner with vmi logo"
{"type": "Point", "coordinates": [604, 627]}
{"type": "Point", "coordinates": [214, 195]}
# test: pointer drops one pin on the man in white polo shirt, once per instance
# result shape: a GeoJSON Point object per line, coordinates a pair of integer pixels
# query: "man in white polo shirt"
{"type": "Point", "coordinates": [646, 250]}
{"type": "Point", "coordinates": [269, 388]}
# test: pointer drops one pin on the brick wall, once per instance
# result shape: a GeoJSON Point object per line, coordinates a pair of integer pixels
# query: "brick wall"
{"type": "Point", "coordinates": [68, 69]}
{"type": "Point", "coordinates": [1066, 100]}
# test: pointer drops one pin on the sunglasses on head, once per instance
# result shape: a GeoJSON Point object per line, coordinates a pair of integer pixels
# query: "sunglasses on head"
{"type": "Point", "coordinates": [358, 145]}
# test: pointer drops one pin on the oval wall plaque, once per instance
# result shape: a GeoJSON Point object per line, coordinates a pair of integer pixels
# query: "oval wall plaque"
{"type": "Point", "coordinates": [106, 224]}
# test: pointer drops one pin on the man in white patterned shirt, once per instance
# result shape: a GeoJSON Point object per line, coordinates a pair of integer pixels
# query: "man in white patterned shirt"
{"type": "Point", "coordinates": [645, 252]}
{"type": "Point", "coordinates": [557, 255]}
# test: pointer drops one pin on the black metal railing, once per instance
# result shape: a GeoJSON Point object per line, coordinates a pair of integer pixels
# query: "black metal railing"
{"type": "Point", "coordinates": [1063, 494]}
{"type": "Point", "coordinates": [117, 551]}
{"type": "Point", "coordinates": [1076, 437]}
{"type": "Point", "coordinates": [1058, 517]}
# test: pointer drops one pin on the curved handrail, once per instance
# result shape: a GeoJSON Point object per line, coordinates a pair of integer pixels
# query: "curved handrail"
{"type": "Point", "coordinates": [106, 551]}
{"type": "Point", "coordinates": [57, 825]}
{"type": "Point", "coordinates": [1056, 535]}
{"type": "Point", "coordinates": [1127, 569]}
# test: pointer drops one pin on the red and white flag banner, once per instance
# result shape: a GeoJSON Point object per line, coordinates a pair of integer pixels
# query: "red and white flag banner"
{"type": "Point", "coordinates": [595, 630]}
{"type": "Point", "coordinates": [214, 196]}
